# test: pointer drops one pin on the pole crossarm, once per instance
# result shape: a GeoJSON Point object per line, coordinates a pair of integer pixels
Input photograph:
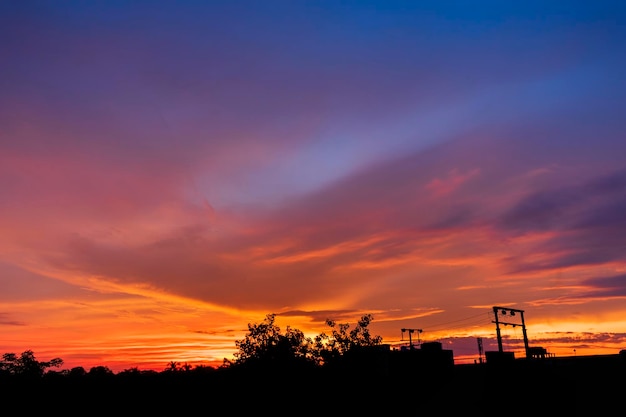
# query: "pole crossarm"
{"type": "Point", "coordinates": [411, 331]}
{"type": "Point", "coordinates": [508, 324]}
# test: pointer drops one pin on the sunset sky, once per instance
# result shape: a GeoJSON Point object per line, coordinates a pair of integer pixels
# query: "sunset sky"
{"type": "Point", "coordinates": [172, 171]}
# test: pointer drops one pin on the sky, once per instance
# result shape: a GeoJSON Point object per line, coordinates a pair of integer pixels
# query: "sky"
{"type": "Point", "coordinates": [171, 172]}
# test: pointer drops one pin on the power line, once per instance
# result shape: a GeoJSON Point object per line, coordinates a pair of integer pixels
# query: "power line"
{"type": "Point", "coordinates": [482, 318]}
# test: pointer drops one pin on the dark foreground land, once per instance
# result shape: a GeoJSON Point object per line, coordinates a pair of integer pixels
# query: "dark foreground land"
{"type": "Point", "coordinates": [589, 386]}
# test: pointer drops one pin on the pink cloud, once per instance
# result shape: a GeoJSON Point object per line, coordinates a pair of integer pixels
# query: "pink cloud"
{"type": "Point", "coordinates": [454, 179]}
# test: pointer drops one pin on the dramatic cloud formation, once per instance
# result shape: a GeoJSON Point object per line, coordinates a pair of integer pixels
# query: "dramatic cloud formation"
{"type": "Point", "coordinates": [172, 172]}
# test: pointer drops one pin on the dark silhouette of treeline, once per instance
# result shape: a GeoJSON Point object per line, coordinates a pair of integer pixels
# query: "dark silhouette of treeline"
{"type": "Point", "coordinates": [347, 372]}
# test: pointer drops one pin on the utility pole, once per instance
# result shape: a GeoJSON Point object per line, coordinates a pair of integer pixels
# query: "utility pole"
{"type": "Point", "coordinates": [511, 312]}
{"type": "Point", "coordinates": [410, 331]}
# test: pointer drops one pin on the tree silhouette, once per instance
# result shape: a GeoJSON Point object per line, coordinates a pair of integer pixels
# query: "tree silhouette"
{"type": "Point", "coordinates": [26, 365]}
{"type": "Point", "coordinates": [266, 344]}
{"type": "Point", "coordinates": [100, 373]}
{"type": "Point", "coordinates": [77, 372]}
{"type": "Point", "coordinates": [174, 366]}
{"type": "Point", "coordinates": [343, 340]}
